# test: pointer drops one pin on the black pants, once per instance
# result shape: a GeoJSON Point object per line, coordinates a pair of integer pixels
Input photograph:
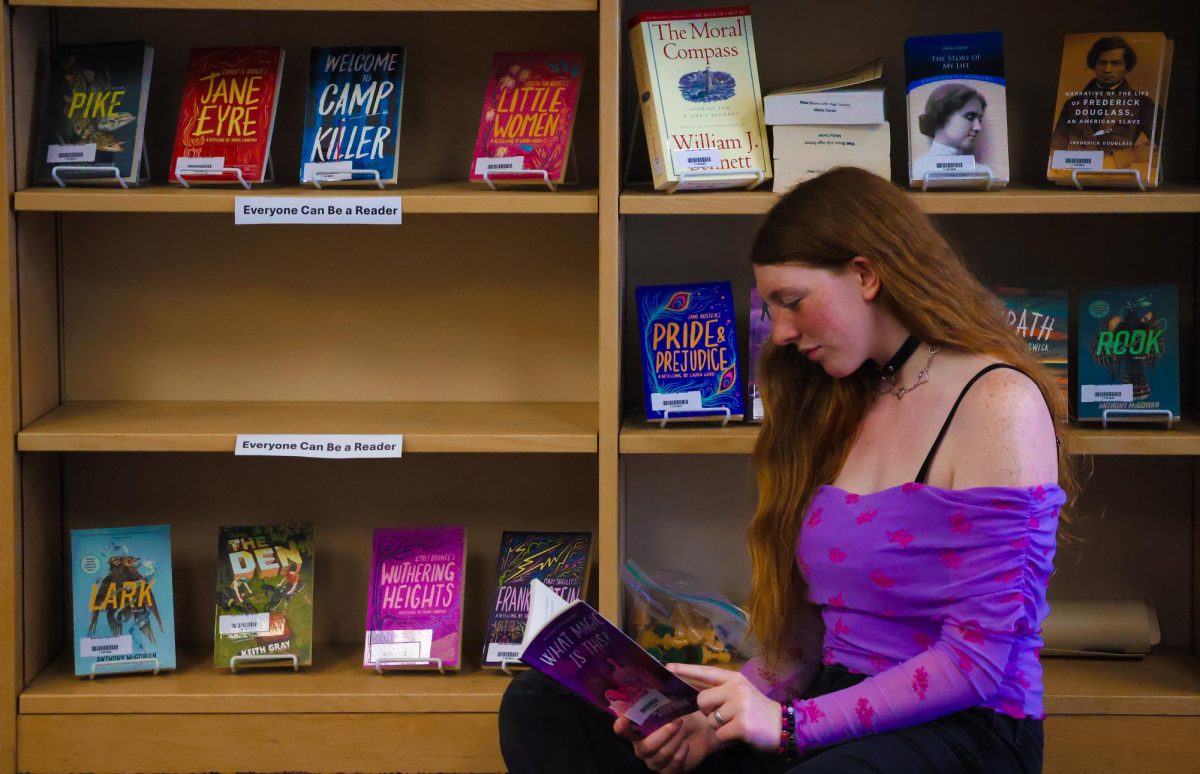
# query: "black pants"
{"type": "Point", "coordinates": [546, 729]}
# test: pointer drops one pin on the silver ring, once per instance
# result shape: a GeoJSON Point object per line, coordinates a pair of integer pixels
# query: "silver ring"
{"type": "Point", "coordinates": [720, 720]}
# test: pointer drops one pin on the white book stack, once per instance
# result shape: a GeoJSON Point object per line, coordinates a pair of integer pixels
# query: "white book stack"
{"type": "Point", "coordinates": [834, 122]}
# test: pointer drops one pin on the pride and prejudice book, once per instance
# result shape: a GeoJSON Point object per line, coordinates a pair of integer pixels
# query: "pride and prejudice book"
{"type": "Point", "coordinates": [414, 606]}
{"type": "Point", "coordinates": [1039, 316]}
{"type": "Point", "coordinates": [580, 649]}
{"type": "Point", "coordinates": [94, 111]}
{"type": "Point", "coordinates": [689, 351]}
{"type": "Point", "coordinates": [352, 115]}
{"type": "Point", "coordinates": [228, 114]}
{"type": "Point", "coordinates": [264, 592]}
{"type": "Point", "coordinates": [122, 599]}
{"type": "Point", "coordinates": [560, 560]}
{"type": "Point", "coordinates": [1129, 353]}
{"type": "Point", "coordinates": [701, 100]}
{"type": "Point", "coordinates": [528, 117]}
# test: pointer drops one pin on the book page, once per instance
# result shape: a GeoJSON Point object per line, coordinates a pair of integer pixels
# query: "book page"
{"type": "Point", "coordinates": [544, 604]}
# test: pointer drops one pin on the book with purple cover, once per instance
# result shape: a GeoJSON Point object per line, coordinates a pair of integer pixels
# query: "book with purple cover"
{"type": "Point", "coordinates": [760, 331]}
{"type": "Point", "coordinates": [581, 650]}
{"type": "Point", "coordinates": [414, 607]}
{"type": "Point", "coordinates": [561, 560]}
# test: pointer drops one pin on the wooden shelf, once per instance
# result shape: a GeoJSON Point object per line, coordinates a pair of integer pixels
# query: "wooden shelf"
{"type": "Point", "coordinates": [181, 426]}
{"type": "Point", "coordinates": [336, 682]}
{"type": "Point", "coordinates": [1016, 199]}
{"type": "Point", "coordinates": [324, 5]}
{"type": "Point", "coordinates": [420, 197]}
{"type": "Point", "coordinates": [1167, 682]}
{"type": "Point", "coordinates": [639, 437]}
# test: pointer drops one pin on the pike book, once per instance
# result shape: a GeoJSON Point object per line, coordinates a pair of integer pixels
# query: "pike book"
{"type": "Point", "coordinates": [228, 115]}
{"type": "Point", "coordinates": [760, 333]}
{"type": "Point", "coordinates": [957, 108]}
{"type": "Point", "coordinates": [561, 560]}
{"type": "Point", "coordinates": [575, 646]}
{"type": "Point", "coordinates": [94, 111]}
{"type": "Point", "coordinates": [689, 352]}
{"type": "Point", "coordinates": [528, 117]}
{"type": "Point", "coordinates": [352, 115]}
{"type": "Point", "coordinates": [1129, 354]}
{"type": "Point", "coordinates": [122, 599]}
{"type": "Point", "coordinates": [1112, 92]}
{"type": "Point", "coordinates": [414, 605]}
{"type": "Point", "coordinates": [1039, 316]}
{"type": "Point", "coordinates": [264, 592]}
{"type": "Point", "coordinates": [701, 101]}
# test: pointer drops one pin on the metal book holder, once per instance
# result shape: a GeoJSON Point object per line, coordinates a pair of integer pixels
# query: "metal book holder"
{"type": "Point", "coordinates": [636, 122]}
{"type": "Point", "coordinates": [264, 660]}
{"type": "Point", "coordinates": [1134, 175]}
{"type": "Point", "coordinates": [507, 664]}
{"type": "Point", "coordinates": [93, 174]}
{"type": "Point", "coordinates": [149, 664]}
{"type": "Point", "coordinates": [723, 413]}
{"type": "Point", "coordinates": [384, 664]}
{"type": "Point", "coordinates": [571, 178]}
{"type": "Point", "coordinates": [935, 179]}
{"type": "Point", "coordinates": [1155, 415]}
{"type": "Point", "coordinates": [199, 176]}
{"type": "Point", "coordinates": [332, 177]}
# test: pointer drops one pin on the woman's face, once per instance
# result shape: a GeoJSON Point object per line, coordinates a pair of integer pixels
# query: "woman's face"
{"type": "Point", "coordinates": [962, 129]}
{"type": "Point", "coordinates": [824, 313]}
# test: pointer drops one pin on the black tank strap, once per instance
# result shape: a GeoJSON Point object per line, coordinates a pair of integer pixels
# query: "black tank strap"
{"type": "Point", "coordinates": [920, 479]}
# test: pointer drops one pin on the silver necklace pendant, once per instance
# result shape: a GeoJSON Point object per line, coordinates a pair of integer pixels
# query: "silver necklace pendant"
{"type": "Point", "coordinates": [922, 378]}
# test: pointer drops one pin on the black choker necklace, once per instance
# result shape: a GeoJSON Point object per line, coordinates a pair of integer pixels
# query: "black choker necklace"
{"type": "Point", "coordinates": [889, 369]}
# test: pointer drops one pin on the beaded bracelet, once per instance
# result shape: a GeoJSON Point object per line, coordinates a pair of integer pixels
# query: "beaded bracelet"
{"type": "Point", "coordinates": [787, 730]}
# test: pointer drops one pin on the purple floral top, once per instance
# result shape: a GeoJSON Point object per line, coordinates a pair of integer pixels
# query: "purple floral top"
{"type": "Point", "coordinates": [938, 594]}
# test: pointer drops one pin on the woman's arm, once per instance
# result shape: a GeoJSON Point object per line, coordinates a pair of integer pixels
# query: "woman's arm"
{"type": "Point", "coordinates": [791, 675]}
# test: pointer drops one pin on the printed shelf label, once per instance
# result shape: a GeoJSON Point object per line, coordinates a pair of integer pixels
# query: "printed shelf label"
{"type": "Point", "coordinates": [676, 401]}
{"type": "Point", "coordinates": [499, 164]}
{"type": "Point", "coordinates": [250, 623]}
{"type": "Point", "coordinates": [68, 154]}
{"type": "Point", "coordinates": [330, 447]}
{"type": "Point", "coordinates": [120, 645]}
{"type": "Point", "coordinates": [698, 158]}
{"type": "Point", "coordinates": [1085, 160]}
{"type": "Point", "coordinates": [311, 210]}
{"type": "Point", "coordinates": [1103, 393]}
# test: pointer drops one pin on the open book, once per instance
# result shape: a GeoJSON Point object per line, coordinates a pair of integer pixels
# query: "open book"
{"type": "Point", "coordinates": [577, 647]}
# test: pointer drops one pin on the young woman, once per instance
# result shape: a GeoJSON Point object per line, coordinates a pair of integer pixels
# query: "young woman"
{"type": "Point", "coordinates": [911, 475]}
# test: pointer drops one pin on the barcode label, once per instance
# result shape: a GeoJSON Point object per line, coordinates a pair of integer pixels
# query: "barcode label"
{"type": "Point", "coordinates": [253, 623]}
{"type": "Point", "coordinates": [501, 651]}
{"type": "Point", "coordinates": [645, 707]}
{"type": "Point", "coordinates": [499, 164]}
{"type": "Point", "coordinates": [950, 165]}
{"type": "Point", "coordinates": [1099, 393]}
{"type": "Point", "coordinates": [120, 645]}
{"type": "Point", "coordinates": [59, 154]}
{"type": "Point", "coordinates": [676, 401]}
{"type": "Point", "coordinates": [1077, 160]}
{"type": "Point", "coordinates": [328, 171]}
{"type": "Point", "coordinates": [696, 158]}
{"type": "Point", "coordinates": [199, 165]}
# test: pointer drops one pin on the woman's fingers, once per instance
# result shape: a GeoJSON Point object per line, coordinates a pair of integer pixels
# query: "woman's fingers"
{"type": "Point", "coordinates": [662, 757]}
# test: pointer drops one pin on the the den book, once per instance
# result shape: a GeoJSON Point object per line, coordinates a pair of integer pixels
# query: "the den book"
{"type": "Point", "coordinates": [577, 647]}
{"type": "Point", "coordinates": [122, 599]}
{"type": "Point", "coordinates": [94, 112]}
{"type": "Point", "coordinates": [415, 600]}
{"type": "Point", "coordinates": [561, 560]}
{"type": "Point", "coordinates": [264, 593]}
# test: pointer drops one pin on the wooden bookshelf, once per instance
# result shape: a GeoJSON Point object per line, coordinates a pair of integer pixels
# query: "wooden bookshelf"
{"type": "Point", "coordinates": [1016, 199]}
{"type": "Point", "coordinates": [324, 5]}
{"type": "Point", "coordinates": [417, 198]}
{"type": "Point", "coordinates": [1167, 682]}
{"type": "Point", "coordinates": [198, 426]}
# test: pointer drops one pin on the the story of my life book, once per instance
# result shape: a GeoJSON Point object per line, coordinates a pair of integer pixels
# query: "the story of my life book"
{"type": "Point", "coordinates": [577, 647]}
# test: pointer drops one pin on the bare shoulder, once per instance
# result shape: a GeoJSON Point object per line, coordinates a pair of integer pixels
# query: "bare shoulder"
{"type": "Point", "coordinates": [1004, 435]}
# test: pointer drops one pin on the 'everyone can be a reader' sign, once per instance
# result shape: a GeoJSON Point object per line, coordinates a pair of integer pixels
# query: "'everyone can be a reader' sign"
{"type": "Point", "coordinates": [332, 210]}
{"type": "Point", "coordinates": [330, 447]}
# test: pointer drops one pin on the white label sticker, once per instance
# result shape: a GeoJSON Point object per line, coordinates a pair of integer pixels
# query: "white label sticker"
{"type": "Point", "coordinates": [952, 164]}
{"type": "Point", "coordinates": [699, 158]}
{"type": "Point", "coordinates": [67, 154]}
{"type": "Point", "coordinates": [645, 707]}
{"type": "Point", "coordinates": [1066, 159]}
{"type": "Point", "coordinates": [758, 409]}
{"type": "Point", "coordinates": [121, 645]}
{"type": "Point", "coordinates": [1102, 393]}
{"type": "Point", "coordinates": [400, 644]}
{"type": "Point", "coordinates": [503, 651]}
{"type": "Point", "coordinates": [307, 210]}
{"type": "Point", "coordinates": [499, 164]}
{"type": "Point", "coordinates": [251, 623]}
{"type": "Point", "coordinates": [199, 165]}
{"type": "Point", "coordinates": [328, 447]}
{"type": "Point", "coordinates": [676, 401]}
{"type": "Point", "coordinates": [328, 171]}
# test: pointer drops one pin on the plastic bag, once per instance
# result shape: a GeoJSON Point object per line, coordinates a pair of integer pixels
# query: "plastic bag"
{"type": "Point", "coordinates": [676, 618]}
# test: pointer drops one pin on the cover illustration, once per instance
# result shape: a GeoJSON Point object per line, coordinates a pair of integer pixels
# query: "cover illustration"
{"type": "Point", "coordinates": [94, 110]}
{"type": "Point", "coordinates": [264, 592]}
{"type": "Point", "coordinates": [760, 332]}
{"type": "Point", "coordinates": [701, 100]}
{"type": "Point", "coordinates": [1129, 352]}
{"type": "Point", "coordinates": [1109, 109]}
{"type": "Point", "coordinates": [558, 559]}
{"type": "Point", "coordinates": [1039, 316]}
{"type": "Point", "coordinates": [352, 115]}
{"type": "Point", "coordinates": [528, 116]}
{"type": "Point", "coordinates": [689, 351]}
{"type": "Point", "coordinates": [228, 114]}
{"type": "Point", "coordinates": [122, 599]}
{"type": "Point", "coordinates": [957, 106]}
{"type": "Point", "coordinates": [414, 607]}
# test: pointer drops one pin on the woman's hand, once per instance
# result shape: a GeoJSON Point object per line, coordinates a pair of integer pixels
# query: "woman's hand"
{"type": "Point", "coordinates": [676, 747]}
{"type": "Point", "coordinates": [733, 707]}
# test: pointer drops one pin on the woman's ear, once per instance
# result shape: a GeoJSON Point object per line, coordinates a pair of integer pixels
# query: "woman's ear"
{"type": "Point", "coordinates": [868, 278]}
